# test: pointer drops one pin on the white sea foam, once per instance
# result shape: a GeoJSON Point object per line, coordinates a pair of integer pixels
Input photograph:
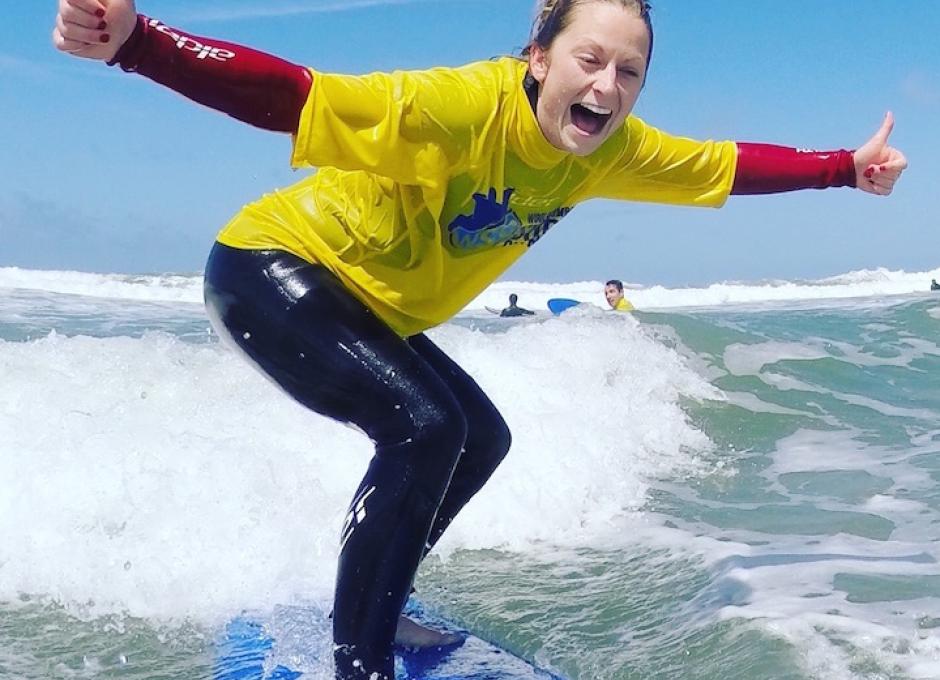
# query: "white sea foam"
{"type": "Point", "coordinates": [167, 479]}
{"type": "Point", "coordinates": [144, 287]}
{"type": "Point", "coordinates": [752, 402]}
{"type": "Point", "coordinates": [796, 587]}
{"type": "Point", "coordinates": [188, 288]}
{"type": "Point", "coordinates": [799, 599]}
{"type": "Point", "coordinates": [751, 359]}
{"type": "Point", "coordinates": [742, 359]}
{"type": "Point", "coordinates": [820, 592]}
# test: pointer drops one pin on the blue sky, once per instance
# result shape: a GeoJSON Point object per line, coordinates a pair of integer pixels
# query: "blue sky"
{"type": "Point", "coordinates": [104, 171]}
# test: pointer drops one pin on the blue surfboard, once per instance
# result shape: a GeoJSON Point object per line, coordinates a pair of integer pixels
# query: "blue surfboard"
{"type": "Point", "coordinates": [558, 305]}
{"type": "Point", "coordinates": [247, 644]}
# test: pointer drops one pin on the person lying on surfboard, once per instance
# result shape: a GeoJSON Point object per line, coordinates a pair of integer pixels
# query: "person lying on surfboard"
{"type": "Point", "coordinates": [613, 291]}
{"type": "Point", "coordinates": [430, 184]}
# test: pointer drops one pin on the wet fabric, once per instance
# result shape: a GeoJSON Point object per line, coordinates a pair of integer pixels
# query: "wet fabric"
{"type": "Point", "coordinates": [430, 184]}
{"type": "Point", "coordinates": [437, 436]}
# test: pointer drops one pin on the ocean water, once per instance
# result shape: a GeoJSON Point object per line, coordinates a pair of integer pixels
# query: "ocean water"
{"type": "Point", "coordinates": [738, 481]}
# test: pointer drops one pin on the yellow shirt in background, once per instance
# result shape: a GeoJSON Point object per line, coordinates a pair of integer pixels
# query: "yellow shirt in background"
{"type": "Point", "coordinates": [432, 183]}
{"type": "Point", "coordinates": [623, 305]}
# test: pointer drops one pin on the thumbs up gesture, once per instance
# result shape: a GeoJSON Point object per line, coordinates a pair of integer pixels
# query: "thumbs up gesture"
{"type": "Point", "coordinates": [93, 29]}
{"type": "Point", "coordinates": [877, 165]}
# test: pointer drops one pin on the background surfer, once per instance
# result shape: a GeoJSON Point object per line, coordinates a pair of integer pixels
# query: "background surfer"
{"type": "Point", "coordinates": [613, 291]}
{"type": "Point", "coordinates": [514, 309]}
{"type": "Point", "coordinates": [455, 174]}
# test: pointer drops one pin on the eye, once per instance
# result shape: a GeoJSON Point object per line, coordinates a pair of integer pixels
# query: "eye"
{"type": "Point", "coordinates": [628, 72]}
{"type": "Point", "coordinates": [589, 59]}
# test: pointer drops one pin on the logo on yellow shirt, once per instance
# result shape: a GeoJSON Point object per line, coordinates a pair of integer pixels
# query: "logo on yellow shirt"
{"type": "Point", "coordinates": [494, 223]}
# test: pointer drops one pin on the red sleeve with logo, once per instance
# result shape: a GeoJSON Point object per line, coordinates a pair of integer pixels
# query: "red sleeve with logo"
{"type": "Point", "coordinates": [249, 85]}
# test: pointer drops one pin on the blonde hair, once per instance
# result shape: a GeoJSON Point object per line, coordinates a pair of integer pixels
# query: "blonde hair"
{"type": "Point", "coordinates": [553, 16]}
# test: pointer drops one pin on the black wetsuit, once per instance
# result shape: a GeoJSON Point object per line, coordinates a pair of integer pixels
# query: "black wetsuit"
{"type": "Point", "coordinates": [514, 310]}
{"type": "Point", "coordinates": [437, 436]}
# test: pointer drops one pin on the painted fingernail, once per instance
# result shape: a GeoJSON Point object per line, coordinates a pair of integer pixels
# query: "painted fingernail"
{"type": "Point", "coordinates": [102, 25]}
{"type": "Point", "coordinates": [99, 13]}
{"type": "Point", "coordinates": [105, 37]}
{"type": "Point", "coordinates": [882, 168]}
{"type": "Point", "coordinates": [868, 173]}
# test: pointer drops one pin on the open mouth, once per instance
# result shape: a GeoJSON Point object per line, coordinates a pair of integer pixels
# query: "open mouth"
{"type": "Point", "coordinates": [588, 118]}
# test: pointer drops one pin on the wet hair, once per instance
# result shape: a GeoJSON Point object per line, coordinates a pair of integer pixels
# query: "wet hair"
{"type": "Point", "coordinates": [554, 16]}
{"type": "Point", "coordinates": [615, 282]}
{"type": "Point", "coordinates": [513, 298]}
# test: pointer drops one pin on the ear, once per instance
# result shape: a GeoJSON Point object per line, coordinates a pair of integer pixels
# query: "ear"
{"type": "Point", "coordinates": [538, 63]}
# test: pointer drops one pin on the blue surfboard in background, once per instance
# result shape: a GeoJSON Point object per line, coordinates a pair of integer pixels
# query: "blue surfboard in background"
{"type": "Point", "coordinates": [245, 647]}
{"type": "Point", "coordinates": [558, 305]}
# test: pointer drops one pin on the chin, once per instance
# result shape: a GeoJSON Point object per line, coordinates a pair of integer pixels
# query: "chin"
{"type": "Point", "coordinates": [580, 145]}
{"type": "Point", "coordinates": [587, 150]}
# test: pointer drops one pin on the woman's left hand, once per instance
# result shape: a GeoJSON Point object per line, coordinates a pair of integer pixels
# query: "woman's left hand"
{"type": "Point", "coordinates": [877, 165]}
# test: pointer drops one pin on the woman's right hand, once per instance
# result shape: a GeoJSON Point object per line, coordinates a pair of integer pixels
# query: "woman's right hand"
{"type": "Point", "coordinates": [93, 29]}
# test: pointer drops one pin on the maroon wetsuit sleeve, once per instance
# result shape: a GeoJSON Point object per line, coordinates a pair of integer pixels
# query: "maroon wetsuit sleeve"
{"type": "Point", "coordinates": [768, 169]}
{"type": "Point", "coordinates": [249, 85]}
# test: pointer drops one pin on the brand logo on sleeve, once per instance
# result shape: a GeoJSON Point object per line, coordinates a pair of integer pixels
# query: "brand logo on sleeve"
{"type": "Point", "coordinates": [184, 42]}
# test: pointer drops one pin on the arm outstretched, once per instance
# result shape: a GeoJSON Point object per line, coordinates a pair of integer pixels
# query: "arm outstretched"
{"type": "Point", "coordinates": [874, 167]}
{"type": "Point", "coordinates": [247, 84]}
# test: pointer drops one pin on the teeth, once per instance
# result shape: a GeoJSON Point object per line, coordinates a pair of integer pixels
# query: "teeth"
{"type": "Point", "coordinates": [602, 110]}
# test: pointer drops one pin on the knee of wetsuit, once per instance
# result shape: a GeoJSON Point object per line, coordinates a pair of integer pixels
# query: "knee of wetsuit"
{"type": "Point", "coordinates": [490, 442]}
{"type": "Point", "coordinates": [500, 441]}
{"type": "Point", "coordinates": [438, 443]}
{"type": "Point", "coordinates": [448, 432]}
{"type": "Point", "coordinates": [430, 444]}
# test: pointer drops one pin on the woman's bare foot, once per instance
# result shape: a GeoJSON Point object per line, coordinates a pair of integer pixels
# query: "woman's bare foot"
{"type": "Point", "coordinates": [413, 635]}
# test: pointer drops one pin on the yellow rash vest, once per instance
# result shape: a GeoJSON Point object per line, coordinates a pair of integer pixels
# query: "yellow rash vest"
{"type": "Point", "coordinates": [430, 184]}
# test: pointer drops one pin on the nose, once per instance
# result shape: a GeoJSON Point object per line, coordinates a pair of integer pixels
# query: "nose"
{"type": "Point", "coordinates": [605, 81]}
